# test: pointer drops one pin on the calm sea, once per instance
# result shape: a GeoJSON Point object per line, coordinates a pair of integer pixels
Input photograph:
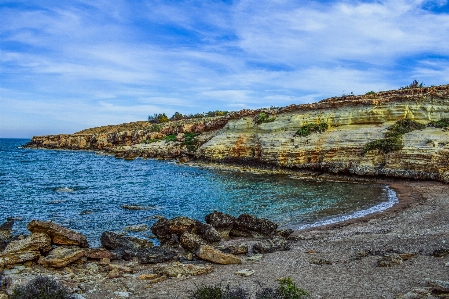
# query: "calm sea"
{"type": "Point", "coordinates": [85, 191]}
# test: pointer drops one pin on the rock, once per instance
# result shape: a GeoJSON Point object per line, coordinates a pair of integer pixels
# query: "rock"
{"type": "Point", "coordinates": [99, 253]}
{"type": "Point", "coordinates": [221, 222]}
{"type": "Point", "coordinates": [121, 268]}
{"type": "Point", "coordinates": [255, 258]}
{"type": "Point", "coordinates": [58, 234]}
{"type": "Point", "coordinates": [136, 228]}
{"type": "Point", "coordinates": [245, 272]}
{"type": "Point", "coordinates": [111, 240]}
{"type": "Point", "coordinates": [271, 245]}
{"type": "Point", "coordinates": [191, 242]}
{"type": "Point", "coordinates": [114, 273]}
{"type": "Point", "coordinates": [18, 257]}
{"type": "Point", "coordinates": [176, 269]}
{"type": "Point", "coordinates": [169, 231]}
{"type": "Point", "coordinates": [419, 293]}
{"type": "Point", "coordinates": [62, 256]}
{"type": "Point", "coordinates": [211, 254]}
{"type": "Point", "coordinates": [319, 261]}
{"type": "Point", "coordinates": [239, 248]}
{"type": "Point", "coordinates": [250, 226]}
{"type": "Point", "coordinates": [27, 249]}
{"type": "Point", "coordinates": [5, 230]}
{"type": "Point", "coordinates": [284, 233]}
{"type": "Point", "coordinates": [134, 207]}
{"type": "Point", "coordinates": [151, 255]}
{"type": "Point", "coordinates": [441, 252]}
{"type": "Point", "coordinates": [439, 285]}
{"type": "Point", "coordinates": [159, 279]}
{"type": "Point", "coordinates": [390, 260]}
{"type": "Point", "coordinates": [147, 276]}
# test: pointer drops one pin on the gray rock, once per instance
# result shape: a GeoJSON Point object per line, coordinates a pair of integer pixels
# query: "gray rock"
{"type": "Point", "coordinates": [390, 260]}
{"type": "Point", "coordinates": [250, 226]}
{"type": "Point", "coordinates": [271, 245]}
{"type": "Point", "coordinates": [151, 255]}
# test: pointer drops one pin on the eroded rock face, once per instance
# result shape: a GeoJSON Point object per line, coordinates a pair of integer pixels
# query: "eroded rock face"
{"type": "Point", "coordinates": [13, 258]}
{"type": "Point", "coordinates": [214, 255]}
{"type": "Point", "coordinates": [59, 235]}
{"type": "Point", "coordinates": [34, 242]}
{"type": "Point", "coordinates": [175, 269]}
{"type": "Point", "coordinates": [5, 233]}
{"type": "Point", "coordinates": [250, 226]}
{"type": "Point", "coordinates": [62, 256]}
{"type": "Point", "coordinates": [111, 240]}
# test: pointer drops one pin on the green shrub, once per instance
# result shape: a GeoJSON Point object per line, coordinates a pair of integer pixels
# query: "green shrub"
{"type": "Point", "coordinates": [263, 117]}
{"type": "Point", "coordinates": [155, 128]}
{"type": "Point", "coordinates": [370, 93]}
{"type": "Point", "coordinates": [308, 129]}
{"type": "Point", "coordinates": [190, 141]}
{"type": "Point", "coordinates": [171, 137]}
{"type": "Point", "coordinates": [288, 290]}
{"type": "Point", "coordinates": [403, 126]}
{"type": "Point", "coordinates": [442, 123]}
{"type": "Point", "coordinates": [385, 145]}
{"type": "Point", "coordinates": [158, 118]}
{"type": "Point", "coordinates": [41, 288]}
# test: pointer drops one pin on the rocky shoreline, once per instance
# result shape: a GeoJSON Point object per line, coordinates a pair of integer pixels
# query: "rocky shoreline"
{"type": "Point", "coordinates": [400, 253]}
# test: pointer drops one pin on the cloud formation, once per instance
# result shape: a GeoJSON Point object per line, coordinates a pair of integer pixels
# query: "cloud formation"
{"type": "Point", "coordinates": [71, 65]}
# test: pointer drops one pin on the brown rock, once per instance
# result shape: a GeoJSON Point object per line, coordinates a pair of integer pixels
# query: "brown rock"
{"type": "Point", "coordinates": [191, 242]}
{"type": "Point", "coordinates": [250, 226]}
{"type": "Point", "coordinates": [114, 273]}
{"type": "Point", "coordinates": [159, 279]}
{"type": "Point", "coordinates": [99, 253]}
{"type": "Point", "coordinates": [221, 222]}
{"type": "Point", "coordinates": [34, 242]}
{"type": "Point", "coordinates": [18, 257]}
{"type": "Point", "coordinates": [59, 235]}
{"type": "Point", "coordinates": [390, 260]}
{"type": "Point", "coordinates": [176, 269]}
{"type": "Point", "coordinates": [121, 268]}
{"type": "Point", "coordinates": [211, 254]}
{"type": "Point", "coordinates": [147, 276]}
{"type": "Point", "coordinates": [62, 256]}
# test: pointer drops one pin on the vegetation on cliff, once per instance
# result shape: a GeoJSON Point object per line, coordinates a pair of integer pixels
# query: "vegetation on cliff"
{"type": "Point", "coordinates": [263, 117]}
{"type": "Point", "coordinates": [442, 123]}
{"type": "Point", "coordinates": [308, 129]}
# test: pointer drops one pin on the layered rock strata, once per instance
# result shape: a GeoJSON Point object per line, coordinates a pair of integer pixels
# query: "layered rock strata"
{"type": "Point", "coordinates": [353, 121]}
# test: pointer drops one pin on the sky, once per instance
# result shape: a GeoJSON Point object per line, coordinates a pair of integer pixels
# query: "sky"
{"type": "Point", "coordinates": [71, 65]}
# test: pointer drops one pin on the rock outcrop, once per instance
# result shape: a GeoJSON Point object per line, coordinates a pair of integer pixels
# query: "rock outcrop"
{"type": "Point", "coordinates": [240, 137]}
{"type": "Point", "coordinates": [59, 235]}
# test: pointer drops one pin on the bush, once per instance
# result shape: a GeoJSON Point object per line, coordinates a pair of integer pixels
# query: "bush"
{"type": "Point", "coordinates": [385, 145]}
{"type": "Point", "coordinates": [414, 84]}
{"type": "Point", "coordinates": [41, 288]}
{"type": "Point", "coordinates": [158, 118]}
{"type": "Point", "coordinates": [190, 141]}
{"type": "Point", "coordinates": [442, 123]}
{"type": "Point", "coordinates": [155, 128]}
{"type": "Point", "coordinates": [177, 116]}
{"type": "Point", "coordinates": [308, 129]}
{"type": "Point", "coordinates": [171, 137]}
{"type": "Point", "coordinates": [263, 117]}
{"type": "Point", "coordinates": [370, 93]}
{"type": "Point", "coordinates": [403, 126]}
{"type": "Point", "coordinates": [286, 290]}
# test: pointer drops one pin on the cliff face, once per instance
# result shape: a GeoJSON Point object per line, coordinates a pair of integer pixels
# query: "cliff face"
{"type": "Point", "coordinates": [353, 122]}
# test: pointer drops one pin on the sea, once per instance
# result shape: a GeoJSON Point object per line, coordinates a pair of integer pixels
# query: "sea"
{"type": "Point", "coordinates": [88, 192]}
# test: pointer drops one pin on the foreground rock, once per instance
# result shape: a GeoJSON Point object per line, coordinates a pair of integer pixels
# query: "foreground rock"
{"type": "Point", "coordinates": [62, 256]}
{"type": "Point", "coordinates": [250, 226]}
{"type": "Point", "coordinates": [177, 269]}
{"type": "Point", "coordinates": [214, 255]}
{"type": "Point", "coordinates": [221, 222]}
{"type": "Point", "coordinates": [59, 235]}
{"type": "Point", "coordinates": [27, 249]}
{"type": "Point", "coordinates": [5, 233]}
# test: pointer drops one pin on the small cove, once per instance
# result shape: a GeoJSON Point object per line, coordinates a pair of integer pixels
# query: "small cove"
{"type": "Point", "coordinates": [86, 191]}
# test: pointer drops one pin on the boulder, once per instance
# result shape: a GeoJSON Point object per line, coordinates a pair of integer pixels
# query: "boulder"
{"type": "Point", "coordinates": [34, 242]}
{"type": "Point", "coordinates": [169, 231]}
{"type": "Point", "coordinates": [236, 248]}
{"type": "Point", "coordinates": [221, 222]}
{"type": "Point", "coordinates": [439, 285]}
{"type": "Point", "coordinates": [191, 242]}
{"type": "Point", "coordinates": [250, 226]}
{"type": "Point", "coordinates": [151, 255]}
{"type": "Point", "coordinates": [214, 255]}
{"type": "Point", "coordinates": [5, 233]}
{"type": "Point", "coordinates": [271, 245]}
{"type": "Point", "coordinates": [99, 253]}
{"type": "Point", "coordinates": [62, 256]}
{"type": "Point", "coordinates": [59, 235]}
{"type": "Point", "coordinates": [18, 257]}
{"type": "Point", "coordinates": [176, 269]}
{"type": "Point", "coordinates": [111, 240]}
{"type": "Point", "coordinates": [390, 260]}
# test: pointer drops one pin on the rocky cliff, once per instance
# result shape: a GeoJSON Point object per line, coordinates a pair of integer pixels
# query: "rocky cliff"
{"type": "Point", "coordinates": [271, 137]}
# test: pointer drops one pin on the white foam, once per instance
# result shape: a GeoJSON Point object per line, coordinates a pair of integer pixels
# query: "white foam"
{"type": "Point", "coordinates": [392, 200]}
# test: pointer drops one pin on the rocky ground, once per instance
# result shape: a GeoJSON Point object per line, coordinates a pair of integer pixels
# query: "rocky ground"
{"type": "Point", "coordinates": [401, 253]}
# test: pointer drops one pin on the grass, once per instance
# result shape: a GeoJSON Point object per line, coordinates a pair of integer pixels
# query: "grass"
{"type": "Point", "coordinates": [286, 290]}
{"type": "Point", "coordinates": [41, 287]}
{"type": "Point", "coordinates": [263, 117]}
{"type": "Point", "coordinates": [442, 123]}
{"type": "Point", "coordinates": [308, 129]}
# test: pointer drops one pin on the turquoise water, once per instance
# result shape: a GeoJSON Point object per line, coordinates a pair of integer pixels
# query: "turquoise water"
{"type": "Point", "coordinates": [85, 191]}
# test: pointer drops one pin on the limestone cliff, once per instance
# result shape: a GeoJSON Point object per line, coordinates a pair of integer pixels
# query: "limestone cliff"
{"type": "Point", "coordinates": [353, 122]}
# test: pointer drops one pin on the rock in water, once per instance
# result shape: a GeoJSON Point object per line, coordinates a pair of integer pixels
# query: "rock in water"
{"type": "Point", "coordinates": [271, 245]}
{"type": "Point", "coordinates": [59, 235]}
{"type": "Point", "coordinates": [111, 240]}
{"type": "Point", "coordinates": [221, 222]}
{"type": "Point", "coordinates": [176, 269]}
{"type": "Point", "coordinates": [62, 256]}
{"type": "Point", "coordinates": [211, 254]}
{"type": "Point", "coordinates": [250, 226]}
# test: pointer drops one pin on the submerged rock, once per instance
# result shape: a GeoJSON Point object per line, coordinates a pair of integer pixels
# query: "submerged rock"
{"type": "Point", "coordinates": [250, 226]}
{"type": "Point", "coordinates": [59, 235]}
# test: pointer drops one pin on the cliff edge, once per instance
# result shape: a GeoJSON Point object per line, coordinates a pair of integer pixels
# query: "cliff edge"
{"type": "Point", "coordinates": [347, 135]}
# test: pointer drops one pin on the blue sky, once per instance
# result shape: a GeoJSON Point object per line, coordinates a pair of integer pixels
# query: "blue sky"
{"type": "Point", "coordinates": [70, 65]}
